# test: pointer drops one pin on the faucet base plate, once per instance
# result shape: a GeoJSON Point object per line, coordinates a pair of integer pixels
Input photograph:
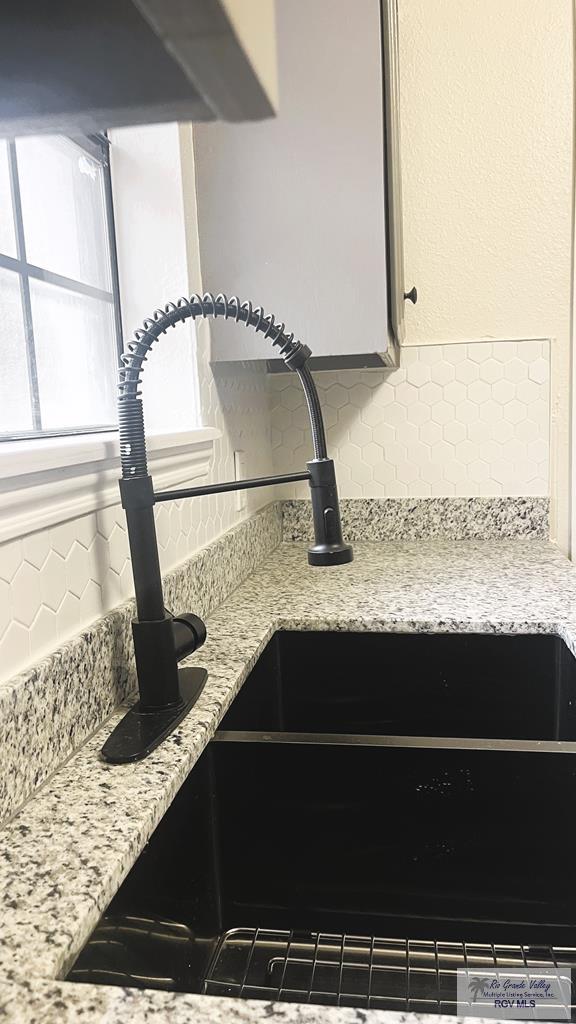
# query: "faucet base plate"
{"type": "Point", "coordinates": [140, 732]}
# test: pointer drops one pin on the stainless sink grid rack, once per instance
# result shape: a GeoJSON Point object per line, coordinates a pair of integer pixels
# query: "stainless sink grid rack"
{"type": "Point", "coordinates": [360, 971]}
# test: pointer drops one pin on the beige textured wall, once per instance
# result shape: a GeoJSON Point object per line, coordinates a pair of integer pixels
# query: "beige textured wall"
{"type": "Point", "coordinates": [486, 92]}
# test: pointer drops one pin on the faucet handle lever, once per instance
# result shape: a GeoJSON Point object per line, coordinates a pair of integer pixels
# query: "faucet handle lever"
{"type": "Point", "coordinates": [189, 634]}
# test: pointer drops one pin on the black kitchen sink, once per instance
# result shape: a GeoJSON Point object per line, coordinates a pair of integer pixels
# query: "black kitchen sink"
{"type": "Point", "coordinates": [411, 684]}
{"type": "Point", "coordinates": [375, 811]}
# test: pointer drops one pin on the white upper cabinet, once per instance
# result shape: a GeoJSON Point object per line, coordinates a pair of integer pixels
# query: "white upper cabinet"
{"type": "Point", "coordinates": [292, 211]}
{"type": "Point", "coordinates": [74, 67]}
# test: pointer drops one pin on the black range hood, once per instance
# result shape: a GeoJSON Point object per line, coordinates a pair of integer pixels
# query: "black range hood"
{"type": "Point", "coordinates": [72, 67]}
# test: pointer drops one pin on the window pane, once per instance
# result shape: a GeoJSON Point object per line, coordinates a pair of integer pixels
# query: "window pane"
{"type": "Point", "coordinates": [7, 235]}
{"type": "Point", "coordinates": [63, 209]}
{"type": "Point", "coordinates": [76, 358]}
{"type": "Point", "coordinates": [15, 408]}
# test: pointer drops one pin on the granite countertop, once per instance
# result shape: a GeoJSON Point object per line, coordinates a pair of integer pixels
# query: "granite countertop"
{"type": "Point", "coordinates": [64, 855]}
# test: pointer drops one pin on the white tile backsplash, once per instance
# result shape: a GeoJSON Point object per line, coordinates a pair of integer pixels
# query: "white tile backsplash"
{"type": "Point", "coordinates": [454, 420]}
{"type": "Point", "coordinates": [461, 419]}
{"type": "Point", "coordinates": [55, 581]}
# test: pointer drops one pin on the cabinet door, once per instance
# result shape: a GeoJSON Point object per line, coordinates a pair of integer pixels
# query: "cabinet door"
{"type": "Point", "coordinates": [292, 211]}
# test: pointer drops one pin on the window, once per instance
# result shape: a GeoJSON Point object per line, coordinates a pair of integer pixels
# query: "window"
{"type": "Point", "coordinates": [59, 312]}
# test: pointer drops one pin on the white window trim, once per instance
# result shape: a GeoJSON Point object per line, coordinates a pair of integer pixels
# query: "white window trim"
{"type": "Point", "coordinates": [47, 481]}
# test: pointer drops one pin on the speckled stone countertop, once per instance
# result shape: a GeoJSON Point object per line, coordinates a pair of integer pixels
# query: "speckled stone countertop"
{"type": "Point", "coordinates": [63, 856]}
{"type": "Point", "coordinates": [61, 1003]}
{"type": "Point", "coordinates": [415, 518]}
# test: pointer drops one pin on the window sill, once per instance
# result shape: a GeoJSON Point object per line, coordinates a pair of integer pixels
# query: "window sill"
{"type": "Point", "coordinates": [45, 482]}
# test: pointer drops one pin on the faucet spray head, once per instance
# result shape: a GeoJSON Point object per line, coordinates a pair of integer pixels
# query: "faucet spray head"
{"type": "Point", "coordinates": [329, 548]}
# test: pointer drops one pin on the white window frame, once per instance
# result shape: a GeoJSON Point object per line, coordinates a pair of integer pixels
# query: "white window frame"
{"type": "Point", "coordinates": [43, 483]}
{"type": "Point", "coordinates": [48, 480]}
{"type": "Point", "coordinates": [97, 148]}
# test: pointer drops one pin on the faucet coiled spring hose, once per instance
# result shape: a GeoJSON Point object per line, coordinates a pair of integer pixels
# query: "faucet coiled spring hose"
{"type": "Point", "coordinates": [130, 411]}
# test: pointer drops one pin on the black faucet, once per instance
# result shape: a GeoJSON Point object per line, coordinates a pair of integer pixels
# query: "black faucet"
{"type": "Point", "coordinates": [162, 640]}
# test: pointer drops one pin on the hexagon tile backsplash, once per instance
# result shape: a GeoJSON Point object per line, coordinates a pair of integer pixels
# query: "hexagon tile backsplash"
{"type": "Point", "coordinates": [470, 419]}
{"type": "Point", "coordinates": [461, 419]}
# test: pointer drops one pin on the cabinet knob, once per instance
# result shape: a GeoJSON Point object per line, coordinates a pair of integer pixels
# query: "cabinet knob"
{"type": "Point", "coordinates": [412, 295]}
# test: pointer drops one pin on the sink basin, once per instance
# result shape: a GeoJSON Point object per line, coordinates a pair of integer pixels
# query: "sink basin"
{"type": "Point", "coordinates": [371, 803]}
{"type": "Point", "coordinates": [411, 684]}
